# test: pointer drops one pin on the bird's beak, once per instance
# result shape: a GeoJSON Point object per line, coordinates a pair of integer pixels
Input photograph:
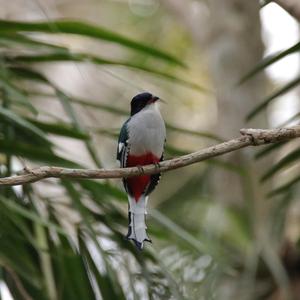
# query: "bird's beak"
{"type": "Point", "coordinates": [155, 98]}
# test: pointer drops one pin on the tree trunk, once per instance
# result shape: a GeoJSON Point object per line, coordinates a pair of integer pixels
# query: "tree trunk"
{"type": "Point", "coordinates": [235, 47]}
{"type": "Point", "coordinates": [230, 33]}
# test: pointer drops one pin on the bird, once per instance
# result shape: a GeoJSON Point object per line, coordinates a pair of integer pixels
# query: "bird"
{"type": "Point", "coordinates": [141, 142]}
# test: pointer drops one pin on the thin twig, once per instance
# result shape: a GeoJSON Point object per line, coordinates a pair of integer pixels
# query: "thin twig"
{"type": "Point", "coordinates": [249, 137]}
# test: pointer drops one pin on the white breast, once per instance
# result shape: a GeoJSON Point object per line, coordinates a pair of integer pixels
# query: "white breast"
{"type": "Point", "coordinates": [147, 132]}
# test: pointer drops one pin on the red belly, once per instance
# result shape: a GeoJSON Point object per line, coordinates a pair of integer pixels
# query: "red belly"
{"type": "Point", "coordinates": [138, 184]}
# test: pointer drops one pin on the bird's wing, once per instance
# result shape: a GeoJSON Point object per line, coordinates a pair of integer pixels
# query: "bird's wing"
{"type": "Point", "coordinates": [123, 150]}
{"type": "Point", "coordinates": [154, 179]}
{"type": "Point", "coordinates": [123, 145]}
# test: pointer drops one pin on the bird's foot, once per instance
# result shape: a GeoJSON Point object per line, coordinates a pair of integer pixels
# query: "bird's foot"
{"type": "Point", "coordinates": [157, 165]}
{"type": "Point", "coordinates": [141, 169]}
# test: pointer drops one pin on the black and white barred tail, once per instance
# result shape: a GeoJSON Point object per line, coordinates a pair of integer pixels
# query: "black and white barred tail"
{"type": "Point", "coordinates": [137, 226]}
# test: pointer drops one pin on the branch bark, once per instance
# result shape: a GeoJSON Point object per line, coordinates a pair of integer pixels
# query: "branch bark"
{"type": "Point", "coordinates": [290, 6]}
{"type": "Point", "coordinates": [249, 137]}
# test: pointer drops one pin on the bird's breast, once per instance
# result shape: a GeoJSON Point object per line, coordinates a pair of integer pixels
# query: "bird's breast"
{"type": "Point", "coordinates": [147, 133]}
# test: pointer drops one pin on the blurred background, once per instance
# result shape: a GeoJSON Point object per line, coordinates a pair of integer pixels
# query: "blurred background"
{"type": "Point", "coordinates": [227, 228]}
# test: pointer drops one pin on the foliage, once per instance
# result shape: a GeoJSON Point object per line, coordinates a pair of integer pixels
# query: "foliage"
{"type": "Point", "coordinates": [88, 256]}
{"type": "Point", "coordinates": [71, 245]}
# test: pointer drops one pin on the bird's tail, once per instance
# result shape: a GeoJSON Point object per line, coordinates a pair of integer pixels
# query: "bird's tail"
{"type": "Point", "coordinates": [137, 226]}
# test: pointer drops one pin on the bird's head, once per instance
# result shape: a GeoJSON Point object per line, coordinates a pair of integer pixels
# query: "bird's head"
{"type": "Point", "coordinates": [140, 101]}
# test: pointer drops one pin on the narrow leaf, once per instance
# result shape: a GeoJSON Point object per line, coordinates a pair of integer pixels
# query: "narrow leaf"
{"type": "Point", "coordinates": [27, 74]}
{"type": "Point", "coordinates": [84, 29]}
{"type": "Point", "coordinates": [285, 187]}
{"type": "Point", "coordinates": [270, 60]}
{"type": "Point", "coordinates": [177, 230]}
{"type": "Point", "coordinates": [59, 129]}
{"type": "Point", "coordinates": [67, 105]}
{"type": "Point", "coordinates": [269, 149]}
{"type": "Point", "coordinates": [105, 285]}
{"type": "Point", "coordinates": [84, 57]}
{"type": "Point", "coordinates": [33, 153]}
{"type": "Point", "coordinates": [30, 215]}
{"type": "Point", "coordinates": [24, 40]}
{"type": "Point", "coordinates": [14, 94]}
{"type": "Point", "coordinates": [20, 122]}
{"type": "Point", "coordinates": [284, 162]}
{"type": "Point", "coordinates": [293, 118]}
{"type": "Point", "coordinates": [265, 102]}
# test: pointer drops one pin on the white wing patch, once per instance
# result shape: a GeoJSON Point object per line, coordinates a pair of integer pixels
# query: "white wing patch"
{"type": "Point", "coordinates": [120, 147]}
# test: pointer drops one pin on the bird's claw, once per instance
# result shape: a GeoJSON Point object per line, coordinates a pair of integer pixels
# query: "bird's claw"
{"type": "Point", "coordinates": [157, 165]}
{"type": "Point", "coordinates": [141, 169]}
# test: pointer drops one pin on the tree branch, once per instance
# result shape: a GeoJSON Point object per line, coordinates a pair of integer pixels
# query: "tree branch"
{"type": "Point", "coordinates": [249, 137]}
{"type": "Point", "coordinates": [290, 6]}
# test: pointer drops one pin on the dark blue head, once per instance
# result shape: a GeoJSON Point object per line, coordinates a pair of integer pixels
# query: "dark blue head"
{"type": "Point", "coordinates": [139, 101]}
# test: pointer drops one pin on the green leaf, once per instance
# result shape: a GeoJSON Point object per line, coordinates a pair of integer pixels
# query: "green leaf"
{"type": "Point", "coordinates": [30, 215]}
{"type": "Point", "coordinates": [16, 38]}
{"type": "Point", "coordinates": [84, 29]}
{"type": "Point", "coordinates": [67, 105]}
{"type": "Point", "coordinates": [284, 162]}
{"type": "Point", "coordinates": [27, 74]}
{"type": "Point", "coordinates": [15, 250]}
{"type": "Point", "coordinates": [33, 153]}
{"type": "Point", "coordinates": [59, 129]}
{"type": "Point", "coordinates": [270, 60]}
{"type": "Point", "coordinates": [93, 104]}
{"type": "Point", "coordinates": [240, 230]}
{"type": "Point", "coordinates": [278, 93]}
{"type": "Point", "coordinates": [100, 189]}
{"type": "Point", "coordinates": [20, 122]}
{"type": "Point", "coordinates": [14, 94]}
{"type": "Point", "coordinates": [88, 219]}
{"type": "Point", "coordinates": [177, 230]}
{"type": "Point", "coordinates": [269, 149]}
{"type": "Point", "coordinates": [84, 57]}
{"type": "Point", "coordinates": [72, 277]}
{"type": "Point", "coordinates": [290, 120]}
{"type": "Point", "coordinates": [104, 282]}
{"type": "Point", "coordinates": [104, 107]}
{"type": "Point", "coordinates": [285, 187]}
